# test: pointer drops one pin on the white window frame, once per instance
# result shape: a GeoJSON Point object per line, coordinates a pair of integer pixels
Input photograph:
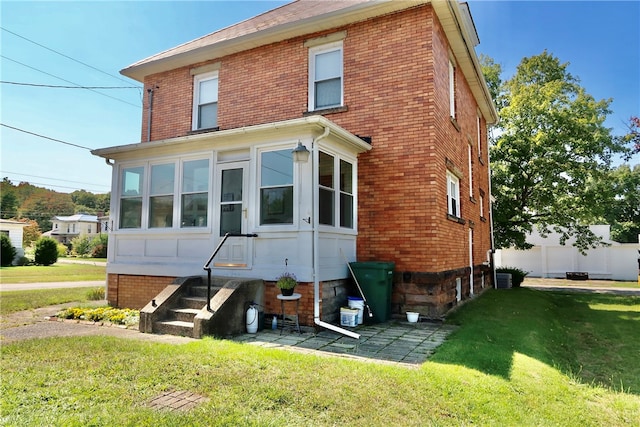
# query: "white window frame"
{"type": "Point", "coordinates": [197, 79]}
{"type": "Point", "coordinates": [479, 121]}
{"type": "Point", "coordinates": [481, 206]}
{"type": "Point", "coordinates": [313, 52]}
{"type": "Point", "coordinates": [337, 191]}
{"type": "Point", "coordinates": [452, 89]}
{"type": "Point", "coordinates": [453, 195]}
{"type": "Point", "coordinates": [470, 172]}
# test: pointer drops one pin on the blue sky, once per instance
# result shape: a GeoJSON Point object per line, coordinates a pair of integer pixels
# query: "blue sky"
{"type": "Point", "coordinates": [600, 40]}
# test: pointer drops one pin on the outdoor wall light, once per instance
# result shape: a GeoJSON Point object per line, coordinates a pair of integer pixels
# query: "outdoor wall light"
{"type": "Point", "coordinates": [300, 153]}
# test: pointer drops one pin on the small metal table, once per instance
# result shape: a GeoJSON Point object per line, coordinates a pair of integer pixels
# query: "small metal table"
{"type": "Point", "coordinates": [295, 297]}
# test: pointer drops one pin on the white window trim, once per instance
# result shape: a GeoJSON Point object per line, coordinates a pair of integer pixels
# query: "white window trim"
{"type": "Point", "coordinates": [479, 125]}
{"type": "Point", "coordinates": [197, 79]}
{"type": "Point", "coordinates": [470, 171]}
{"type": "Point", "coordinates": [453, 179]}
{"type": "Point", "coordinates": [452, 89]}
{"type": "Point", "coordinates": [311, 89]}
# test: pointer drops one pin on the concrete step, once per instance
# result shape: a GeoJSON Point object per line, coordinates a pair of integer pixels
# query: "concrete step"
{"type": "Point", "coordinates": [184, 314]}
{"type": "Point", "coordinates": [193, 302]}
{"type": "Point", "coordinates": [174, 327]}
{"type": "Point", "coordinates": [201, 291]}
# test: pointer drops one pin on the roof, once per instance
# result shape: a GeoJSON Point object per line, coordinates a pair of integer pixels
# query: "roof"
{"type": "Point", "coordinates": [8, 221]}
{"type": "Point", "coordinates": [302, 17]}
{"type": "Point", "coordinates": [77, 218]}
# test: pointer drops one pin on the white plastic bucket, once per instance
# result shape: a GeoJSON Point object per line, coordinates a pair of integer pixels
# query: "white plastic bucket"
{"type": "Point", "coordinates": [357, 303]}
{"type": "Point", "coordinates": [348, 317]}
{"type": "Point", "coordinates": [412, 316]}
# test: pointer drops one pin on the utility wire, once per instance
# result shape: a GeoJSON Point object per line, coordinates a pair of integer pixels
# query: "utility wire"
{"type": "Point", "coordinates": [53, 179]}
{"type": "Point", "coordinates": [46, 137]}
{"type": "Point", "coordinates": [66, 56]}
{"type": "Point", "coordinates": [68, 81]}
{"type": "Point", "coordinates": [69, 87]}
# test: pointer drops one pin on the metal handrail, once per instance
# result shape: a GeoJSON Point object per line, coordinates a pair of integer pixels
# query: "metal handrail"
{"type": "Point", "coordinates": [207, 265]}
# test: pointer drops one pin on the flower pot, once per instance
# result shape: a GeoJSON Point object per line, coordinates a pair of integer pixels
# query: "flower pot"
{"type": "Point", "coordinates": [287, 292]}
{"type": "Point", "coordinates": [412, 316]}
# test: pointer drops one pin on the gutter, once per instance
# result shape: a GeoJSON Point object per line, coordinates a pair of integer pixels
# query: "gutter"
{"type": "Point", "coordinates": [316, 242]}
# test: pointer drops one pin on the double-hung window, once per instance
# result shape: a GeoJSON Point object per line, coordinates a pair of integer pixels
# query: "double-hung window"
{"type": "Point", "coordinates": [453, 195]}
{"type": "Point", "coordinates": [131, 185]}
{"type": "Point", "coordinates": [335, 202]}
{"type": "Point", "coordinates": [326, 76]}
{"type": "Point", "coordinates": [452, 89]}
{"type": "Point", "coordinates": [205, 101]}
{"type": "Point", "coordinates": [276, 187]}
{"type": "Point", "coordinates": [195, 193]}
{"type": "Point", "coordinates": [161, 195]}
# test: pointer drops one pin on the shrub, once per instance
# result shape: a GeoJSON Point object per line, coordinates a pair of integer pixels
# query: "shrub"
{"type": "Point", "coordinates": [81, 245]}
{"type": "Point", "coordinates": [95, 294]}
{"type": "Point", "coordinates": [62, 250]}
{"type": "Point", "coordinates": [46, 251]}
{"type": "Point", "coordinates": [8, 251]}
{"type": "Point", "coordinates": [99, 246]}
{"type": "Point", "coordinates": [517, 275]}
{"type": "Point", "coordinates": [117, 316]}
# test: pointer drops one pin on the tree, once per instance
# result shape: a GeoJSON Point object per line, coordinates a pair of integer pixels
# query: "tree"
{"type": "Point", "coordinates": [46, 252]}
{"type": "Point", "coordinates": [31, 232]}
{"type": "Point", "coordinates": [8, 200]}
{"type": "Point", "coordinates": [550, 149]}
{"type": "Point", "coordinates": [623, 212]}
{"type": "Point", "coordinates": [7, 251]}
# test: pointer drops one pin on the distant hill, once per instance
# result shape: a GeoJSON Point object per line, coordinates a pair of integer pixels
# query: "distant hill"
{"type": "Point", "coordinates": [26, 201]}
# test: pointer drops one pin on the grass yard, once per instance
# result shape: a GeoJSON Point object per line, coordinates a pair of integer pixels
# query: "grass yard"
{"type": "Point", "coordinates": [13, 301]}
{"type": "Point", "coordinates": [520, 357]}
{"type": "Point", "coordinates": [53, 273]}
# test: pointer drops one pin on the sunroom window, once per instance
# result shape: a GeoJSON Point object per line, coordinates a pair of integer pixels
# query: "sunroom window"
{"type": "Point", "coordinates": [335, 204]}
{"type": "Point", "coordinates": [131, 181]}
{"type": "Point", "coordinates": [276, 187]}
{"type": "Point", "coordinates": [195, 193]}
{"type": "Point", "coordinates": [161, 195]}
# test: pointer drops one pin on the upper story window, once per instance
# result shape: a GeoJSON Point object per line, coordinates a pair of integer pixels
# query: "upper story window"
{"type": "Point", "coordinates": [470, 162]}
{"type": "Point", "coordinates": [205, 101]}
{"type": "Point", "coordinates": [452, 89]}
{"type": "Point", "coordinates": [479, 136]}
{"type": "Point", "coordinates": [276, 187]}
{"type": "Point", "coordinates": [326, 76]}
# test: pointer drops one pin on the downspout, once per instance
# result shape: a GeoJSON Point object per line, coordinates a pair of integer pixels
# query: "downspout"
{"type": "Point", "coordinates": [316, 241]}
{"type": "Point", "coordinates": [150, 112]}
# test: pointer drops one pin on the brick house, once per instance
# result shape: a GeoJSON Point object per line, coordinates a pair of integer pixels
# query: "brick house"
{"type": "Point", "coordinates": [389, 99]}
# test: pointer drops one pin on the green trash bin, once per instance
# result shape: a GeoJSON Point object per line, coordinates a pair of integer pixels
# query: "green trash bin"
{"type": "Point", "coordinates": [376, 280]}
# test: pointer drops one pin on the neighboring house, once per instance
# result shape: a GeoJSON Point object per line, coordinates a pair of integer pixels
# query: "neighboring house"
{"type": "Point", "coordinates": [389, 99]}
{"type": "Point", "coordinates": [66, 228]}
{"type": "Point", "coordinates": [14, 230]}
{"type": "Point", "coordinates": [548, 258]}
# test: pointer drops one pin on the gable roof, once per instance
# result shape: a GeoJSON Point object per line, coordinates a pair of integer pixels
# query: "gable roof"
{"type": "Point", "coordinates": [290, 20]}
{"type": "Point", "coordinates": [76, 218]}
{"type": "Point", "coordinates": [302, 17]}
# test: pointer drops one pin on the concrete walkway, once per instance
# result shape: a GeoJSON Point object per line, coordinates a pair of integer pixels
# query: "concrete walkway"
{"type": "Point", "coordinates": [396, 342]}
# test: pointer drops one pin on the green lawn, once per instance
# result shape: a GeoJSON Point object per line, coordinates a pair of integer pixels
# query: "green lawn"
{"type": "Point", "coordinates": [52, 273]}
{"type": "Point", "coordinates": [520, 357]}
{"type": "Point", "coordinates": [12, 301]}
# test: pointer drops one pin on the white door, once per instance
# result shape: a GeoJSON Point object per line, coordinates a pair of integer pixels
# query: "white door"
{"type": "Point", "coordinates": [231, 206]}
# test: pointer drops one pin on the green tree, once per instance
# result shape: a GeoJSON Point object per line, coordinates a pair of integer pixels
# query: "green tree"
{"type": "Point", "coordinates": [46, 252]}
{"type": "Point", "coordinates": [7, 251]}
{"type": "Point", "coordinates": [623, 210]}
{"type": "Point", "coordinates": [31, 232]}
{"type": "Point", "coordinates": [8, 200]}
{"type": "Point", "coordinates": [81, 245]}
{"type": "Point", "coordinates": [550, 147]}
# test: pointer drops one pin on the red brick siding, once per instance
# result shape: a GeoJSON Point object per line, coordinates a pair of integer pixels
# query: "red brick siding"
{"type": "Point", "coordinates": [396, 89]}
{"type": "Point", "coordinates": [134, 291]}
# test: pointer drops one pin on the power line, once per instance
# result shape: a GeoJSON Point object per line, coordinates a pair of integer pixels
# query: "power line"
{"type": "Point", "coordinates": [68, 81]}
{"type": "Point", "coordinates": [66, 56]}
{"type": "Point", "coordinates": [52, 179]}
{"type": "Point", "coordinates": [69, 87]}
{"type": "Point", "coordinates": [45, 137]}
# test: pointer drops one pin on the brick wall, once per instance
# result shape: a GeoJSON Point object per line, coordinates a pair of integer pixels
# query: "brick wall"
{"type": "Point", "coordinates": [396, 90]}
{"type": "Point", "coordinates": [128, 291]}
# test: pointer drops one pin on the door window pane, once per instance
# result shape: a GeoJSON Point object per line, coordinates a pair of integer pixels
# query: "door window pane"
{"type": "Point", "coordinates": [231, 202]}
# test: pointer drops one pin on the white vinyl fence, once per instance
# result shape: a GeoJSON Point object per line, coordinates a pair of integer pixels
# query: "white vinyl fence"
{"type": "Point", "coordinates": [548, 258]}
